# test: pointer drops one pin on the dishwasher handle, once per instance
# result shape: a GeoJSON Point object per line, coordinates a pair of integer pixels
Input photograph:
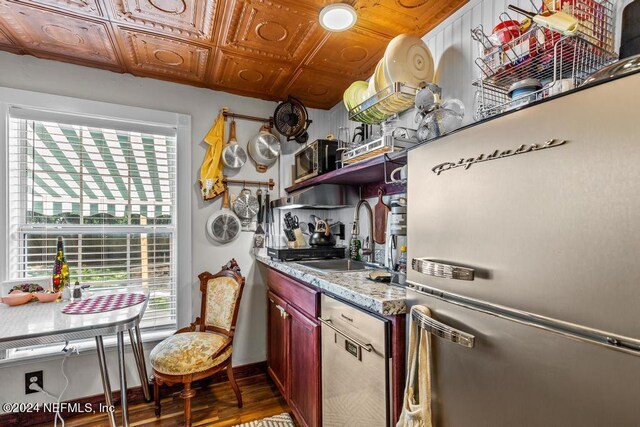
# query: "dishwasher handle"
{"type": "Point", "coordinates": [329, 323]}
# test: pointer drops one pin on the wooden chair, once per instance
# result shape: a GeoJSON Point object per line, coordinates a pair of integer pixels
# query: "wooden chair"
{"type": "Point", "coordinates": [205, 347]}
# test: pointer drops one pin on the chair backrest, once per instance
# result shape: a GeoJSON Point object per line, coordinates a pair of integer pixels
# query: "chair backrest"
{"type": "Point", "coordinates": [221, 295]}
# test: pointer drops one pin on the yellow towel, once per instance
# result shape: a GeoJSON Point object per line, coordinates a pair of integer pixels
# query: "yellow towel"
{"type": "Point", "coordinates": [416, 408]}
{"type": "Point", "coordinates": [211, 176]}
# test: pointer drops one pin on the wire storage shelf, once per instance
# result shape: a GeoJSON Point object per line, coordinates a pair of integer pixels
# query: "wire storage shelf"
{"type": "Point", "coordinates": [558, 62]}
{"type": "Point", "coordinates": [390, 101]}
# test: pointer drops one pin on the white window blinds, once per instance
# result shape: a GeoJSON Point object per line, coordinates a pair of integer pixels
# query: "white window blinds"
{"type": "Point", "coordinates": [109, 191]}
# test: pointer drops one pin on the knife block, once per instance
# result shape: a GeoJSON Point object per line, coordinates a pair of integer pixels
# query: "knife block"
{"type": "Point", "coordinates": [299, 242]}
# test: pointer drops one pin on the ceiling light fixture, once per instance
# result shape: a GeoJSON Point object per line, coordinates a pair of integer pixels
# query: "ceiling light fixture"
{"type": "Point", "coordinates": [338, 17]}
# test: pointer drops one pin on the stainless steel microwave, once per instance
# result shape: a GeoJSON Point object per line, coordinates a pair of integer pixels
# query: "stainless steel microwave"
{"type": "Point", "coordinates": [315, 159]}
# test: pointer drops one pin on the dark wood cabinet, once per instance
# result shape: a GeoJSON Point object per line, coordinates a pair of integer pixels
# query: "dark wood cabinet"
{"type": "Point", "coordinates": [293, 356]}
{"type": "Point", "coordinates": [278, 343]}
{"type": "Point", "coordinates": [304, 365]}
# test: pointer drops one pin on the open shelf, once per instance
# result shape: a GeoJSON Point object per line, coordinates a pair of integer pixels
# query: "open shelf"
{"type": "Point", "coordinates": [368, 171]}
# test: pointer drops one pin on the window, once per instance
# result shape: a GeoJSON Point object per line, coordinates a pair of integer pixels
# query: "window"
{"type": "Point", "coordinates": [109, 189]}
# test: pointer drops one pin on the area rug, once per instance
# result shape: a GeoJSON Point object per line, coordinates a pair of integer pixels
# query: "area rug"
{"type": "Point", "coordinates": [282, 420]}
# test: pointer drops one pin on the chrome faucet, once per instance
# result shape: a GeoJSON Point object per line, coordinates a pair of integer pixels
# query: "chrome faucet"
{"type": "Point", "coordinates": [368, 244]}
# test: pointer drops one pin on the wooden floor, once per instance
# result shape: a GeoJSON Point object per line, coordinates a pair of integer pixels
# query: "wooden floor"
{"type": "Point", "coordinates": [215, 406]}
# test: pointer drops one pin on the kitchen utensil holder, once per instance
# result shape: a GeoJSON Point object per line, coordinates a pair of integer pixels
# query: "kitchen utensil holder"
{"type": "Point", "coordinates": [299, 242]}
{"type": "Point", "coordinates": [544, 55]}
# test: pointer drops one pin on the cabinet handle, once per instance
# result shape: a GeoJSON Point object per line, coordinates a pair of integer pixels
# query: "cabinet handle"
{"type": "Point", "coordinates": [283, 313]}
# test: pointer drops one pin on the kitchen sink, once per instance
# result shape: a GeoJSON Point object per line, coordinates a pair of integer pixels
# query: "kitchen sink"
{"type": "Point", "coordinates": [334, 265]}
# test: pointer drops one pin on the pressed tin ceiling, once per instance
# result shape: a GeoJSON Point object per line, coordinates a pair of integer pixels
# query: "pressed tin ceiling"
{"type": "Point", "coordinates": [259, 48]}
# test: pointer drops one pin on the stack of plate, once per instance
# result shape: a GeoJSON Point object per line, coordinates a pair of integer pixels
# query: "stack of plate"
{"type": "Point", "coordinates": [355, 94]}
{"type": "Point", "coordinates": [406, 60]}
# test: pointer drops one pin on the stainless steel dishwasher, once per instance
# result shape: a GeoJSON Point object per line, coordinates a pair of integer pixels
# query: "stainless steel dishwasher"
{"type": "Point", "coordinates": [356, 373]}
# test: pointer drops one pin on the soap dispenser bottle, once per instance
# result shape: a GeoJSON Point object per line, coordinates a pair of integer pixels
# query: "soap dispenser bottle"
{"type": "Point", "coordinates": [355, 244]}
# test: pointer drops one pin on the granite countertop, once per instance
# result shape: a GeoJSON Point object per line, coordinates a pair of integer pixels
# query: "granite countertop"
{"type": "Point", "coordinates": [355, 287]}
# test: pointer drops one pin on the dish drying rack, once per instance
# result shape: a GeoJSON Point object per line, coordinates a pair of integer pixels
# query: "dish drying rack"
{"type": "Point", "coordinates": [390, 101]}
{"type": "Point", "coordinates": [544, 55]}
{"type": "Point", "coordinates": [386, 144]}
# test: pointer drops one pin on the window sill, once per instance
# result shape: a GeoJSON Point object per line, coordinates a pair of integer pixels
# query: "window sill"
{"type": "Point", "coordinates": [54, 351]}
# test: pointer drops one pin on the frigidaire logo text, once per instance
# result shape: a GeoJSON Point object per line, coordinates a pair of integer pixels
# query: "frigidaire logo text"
{"type": "Point", "coordinates": [466, 163]}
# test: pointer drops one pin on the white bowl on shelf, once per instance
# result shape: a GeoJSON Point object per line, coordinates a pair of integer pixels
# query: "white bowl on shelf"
{"type": "Point", "coordinates": [408, 60]}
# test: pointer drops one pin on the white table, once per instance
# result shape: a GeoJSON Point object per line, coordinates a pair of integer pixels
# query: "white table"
{"type": "Point", "coordinates": [37, 323]}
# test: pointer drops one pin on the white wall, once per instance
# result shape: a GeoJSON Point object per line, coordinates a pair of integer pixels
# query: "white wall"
{"type": "Point", "coordinates": [28, 73]}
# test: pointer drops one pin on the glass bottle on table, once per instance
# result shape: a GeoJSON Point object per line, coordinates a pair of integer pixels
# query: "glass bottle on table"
{"type": "Point", "coordinates": [60, 268]}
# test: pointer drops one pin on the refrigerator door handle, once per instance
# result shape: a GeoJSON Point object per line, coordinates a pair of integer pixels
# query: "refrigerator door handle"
{"type": "Point", "coordinates": [441, 330]}
{"type": "Point", "coordinates": [441, 269]}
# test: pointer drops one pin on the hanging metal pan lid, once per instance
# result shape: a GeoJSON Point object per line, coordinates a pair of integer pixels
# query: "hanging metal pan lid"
{"type": "Point", "coordinates": [246, 205]}
{"type": "Point", "coordinates": [223, 226]}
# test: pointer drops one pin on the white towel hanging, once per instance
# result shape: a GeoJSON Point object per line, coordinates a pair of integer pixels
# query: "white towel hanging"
{"type": "Point", "coordinates": [416, 406]}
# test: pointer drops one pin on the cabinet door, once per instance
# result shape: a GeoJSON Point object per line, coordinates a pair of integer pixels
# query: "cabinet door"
{"type": "Point", "coordinates": [278, 343]}
{"type": "Point", "coordinates": [304, 367]}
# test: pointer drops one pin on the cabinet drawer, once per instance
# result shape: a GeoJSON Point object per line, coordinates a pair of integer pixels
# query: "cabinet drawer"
{"type": "Point", "coordinates": [296, 293]}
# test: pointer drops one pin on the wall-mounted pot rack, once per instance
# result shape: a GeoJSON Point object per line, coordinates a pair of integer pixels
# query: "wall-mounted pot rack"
{"type": "Point", "coordinates": [269, 120]}
{"type": "Point", "coordinates": [267, 184]}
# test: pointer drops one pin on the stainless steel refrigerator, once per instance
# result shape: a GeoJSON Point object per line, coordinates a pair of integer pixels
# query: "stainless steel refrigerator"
{"type": "Point", "coordinates": [524, 240]}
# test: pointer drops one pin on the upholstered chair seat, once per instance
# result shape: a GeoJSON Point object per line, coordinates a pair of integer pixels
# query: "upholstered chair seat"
{"type": "Point", "coordinates": [190, 352]}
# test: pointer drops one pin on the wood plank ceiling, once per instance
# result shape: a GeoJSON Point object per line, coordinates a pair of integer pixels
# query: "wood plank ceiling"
{"type": "Point", "coordinates": [259, 48]}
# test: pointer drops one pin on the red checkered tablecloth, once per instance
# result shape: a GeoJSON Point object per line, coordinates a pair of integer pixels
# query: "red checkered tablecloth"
{"type": "Point", "coordinates": [103, 303]}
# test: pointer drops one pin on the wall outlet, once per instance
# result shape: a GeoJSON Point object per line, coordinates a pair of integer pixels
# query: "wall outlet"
{"type": "Point", "coordinates": [33, 377]}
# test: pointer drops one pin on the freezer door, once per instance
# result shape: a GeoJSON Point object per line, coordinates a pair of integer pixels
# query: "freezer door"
{"type": "Point", "coordinates": [553, 231]}
{"type": "Point", "coordinates": [517, 375]}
